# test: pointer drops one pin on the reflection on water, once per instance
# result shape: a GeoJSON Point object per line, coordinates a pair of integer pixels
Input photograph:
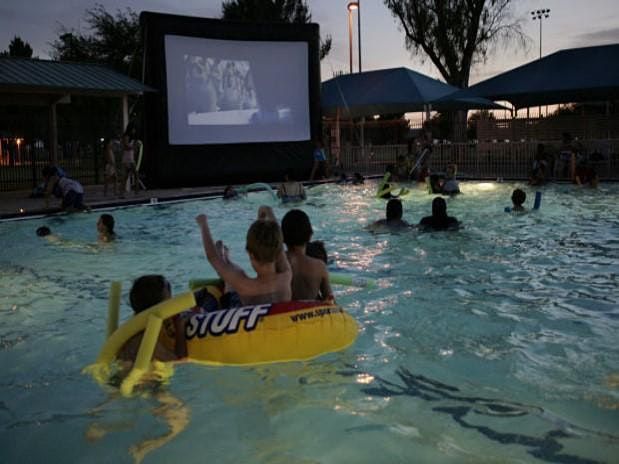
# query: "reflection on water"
{"type": "Point", "coordinates": [466, 412]}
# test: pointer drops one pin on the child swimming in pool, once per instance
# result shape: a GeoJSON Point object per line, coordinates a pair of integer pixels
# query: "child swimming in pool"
{"type": "Point", "coordinates": [147, 291]}
{"type": "Point", "coordinates": [310, 277]}
{"type": "Point", "coordinates": [266, 254]}
{"type": "Point", "coordinates": [518, 199]}
{"type": "Point", "coordinates": [105, 228]}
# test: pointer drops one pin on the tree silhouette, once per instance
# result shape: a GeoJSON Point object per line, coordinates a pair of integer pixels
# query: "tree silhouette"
{"type": "Point", "coordinates": [455, 34]}
{"type": "Point", "coordinates": [285, 11]}
{"type": "Point", "coordinates": [114, 40]}
{"type": "Point", "coordinates": [18, 48]}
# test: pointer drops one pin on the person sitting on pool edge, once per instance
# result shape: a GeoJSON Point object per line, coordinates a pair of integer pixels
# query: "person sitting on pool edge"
{"type": "Point", "coordinates": [105, 228]}
{"type": "Point", "coordinates": [393, 217]}
{"type": "Point", "coordinates": [439, 219]}
{"type": "Point", "coordinates": [147, 291]}
{"type": "Point", "coordinates": [310, 277]}
{"type": "Point", "coordinates": [518, 199]}
{"type": "Point", "coordinates": [266, 254]}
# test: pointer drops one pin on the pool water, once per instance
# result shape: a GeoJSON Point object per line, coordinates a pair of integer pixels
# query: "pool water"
{"type": "Point", "coordinates": [496, 343]}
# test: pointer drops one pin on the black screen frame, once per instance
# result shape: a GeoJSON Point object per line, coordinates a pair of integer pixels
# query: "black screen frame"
{"type": "Point", "coordinates": [168, 165]}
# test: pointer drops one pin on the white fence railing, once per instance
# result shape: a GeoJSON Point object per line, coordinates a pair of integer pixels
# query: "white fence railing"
{"type": "Point", "coordinates": [509, 160]}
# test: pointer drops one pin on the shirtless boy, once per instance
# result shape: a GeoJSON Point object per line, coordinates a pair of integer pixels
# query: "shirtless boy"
{"type": "Point", "coordinates": [310, 277]}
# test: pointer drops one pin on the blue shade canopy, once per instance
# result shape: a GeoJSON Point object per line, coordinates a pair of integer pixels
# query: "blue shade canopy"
{"type": "Point", "coordinates": [390, 91]}
{"type": "Point", "coordinates": [573, 75]}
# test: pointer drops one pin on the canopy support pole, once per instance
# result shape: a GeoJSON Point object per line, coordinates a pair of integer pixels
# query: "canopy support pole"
{"type": "Point", "coordinates": [125, 102]}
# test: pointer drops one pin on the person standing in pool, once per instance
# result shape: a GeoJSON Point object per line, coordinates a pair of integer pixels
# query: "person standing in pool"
{"type": "Point", "coordinates": [290, 189]}
{"type": "Point", "coordinates": [310, 277]}
{"type": "Point", "coordinates": [450, 185]}
{"type": "Point", "coordinates": [518, 199]}
{"type": "Point", "coordinates": [393, 217]}
{"type": "Point", "coordinates": [266, 254]}
{"type": "Point", "coordinates": [439, 219]}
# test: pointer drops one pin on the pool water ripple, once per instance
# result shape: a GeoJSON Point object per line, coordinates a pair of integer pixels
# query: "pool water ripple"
{"type": "Point", "coordinates": [496, 343]}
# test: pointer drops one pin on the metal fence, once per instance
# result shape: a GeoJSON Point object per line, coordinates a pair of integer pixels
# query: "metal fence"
{"type": "Point", "coordinates": [21, 163]}
{"type": "Point", "coordinates": [508, 160]}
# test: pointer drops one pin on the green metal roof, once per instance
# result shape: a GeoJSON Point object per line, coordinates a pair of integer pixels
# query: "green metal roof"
{"type": "Point", "coordinates": [42, 76]}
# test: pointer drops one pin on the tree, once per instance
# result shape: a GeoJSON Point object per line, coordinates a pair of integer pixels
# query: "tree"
{"type": "Point", "coordinates": [113, 40]}
{"type": "Point", "coordinates": [18, 48]}
{"type": "Point", "coordinates": [455, 34]}
{"type": "Point", "coordinates": [72, 47]}
{"type": "Point", "coordinates": [285, 11]}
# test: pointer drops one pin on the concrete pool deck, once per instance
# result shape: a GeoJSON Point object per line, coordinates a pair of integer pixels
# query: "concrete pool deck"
{"type": "Point", "coordinates": [18, 204]}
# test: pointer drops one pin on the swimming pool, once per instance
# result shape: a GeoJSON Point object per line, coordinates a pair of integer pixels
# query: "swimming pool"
{"type": "Point", "coordinates": [496, 343]}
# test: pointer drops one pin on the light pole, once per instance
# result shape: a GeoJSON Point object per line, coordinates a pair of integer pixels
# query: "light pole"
{"type": "Point", "coordinates": [539, 15]}
{"type": "Point", "coordinates": [356, 5]}
{"type": "Point", "coordinates": [352, 6]}
{"type": "Point", "coordinates": [359, 30]}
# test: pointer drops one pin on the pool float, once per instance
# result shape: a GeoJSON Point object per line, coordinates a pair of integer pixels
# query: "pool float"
{"type": "Point", "coordinates": [387, 190]}
{"type": "Point", "coordinates": [538, 200]}
{"type": "Point", "coordinates": [257, 186]}
{"type": "Point", "coordinates": [244, 336]}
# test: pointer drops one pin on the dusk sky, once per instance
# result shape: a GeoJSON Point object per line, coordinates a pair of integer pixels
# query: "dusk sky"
{"type": "Point", "coordinates": [572, 23]}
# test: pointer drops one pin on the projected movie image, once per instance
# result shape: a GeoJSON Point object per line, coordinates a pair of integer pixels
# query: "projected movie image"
{"type": "Point", "coordinates": [219, 91]}
{"type": "Point", "coordinates": [236, 91]}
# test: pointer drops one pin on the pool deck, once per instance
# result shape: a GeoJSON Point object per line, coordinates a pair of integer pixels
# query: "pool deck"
{"type": "Point", "coordinates": [18, 205]}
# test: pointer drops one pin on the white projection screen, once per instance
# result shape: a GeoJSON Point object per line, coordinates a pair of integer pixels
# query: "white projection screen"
{"type": "Point", "coordinates": [236, 91]}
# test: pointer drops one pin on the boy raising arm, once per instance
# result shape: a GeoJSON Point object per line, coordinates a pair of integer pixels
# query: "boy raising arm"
{"type": "Point", "coordinates": [265, 250]}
